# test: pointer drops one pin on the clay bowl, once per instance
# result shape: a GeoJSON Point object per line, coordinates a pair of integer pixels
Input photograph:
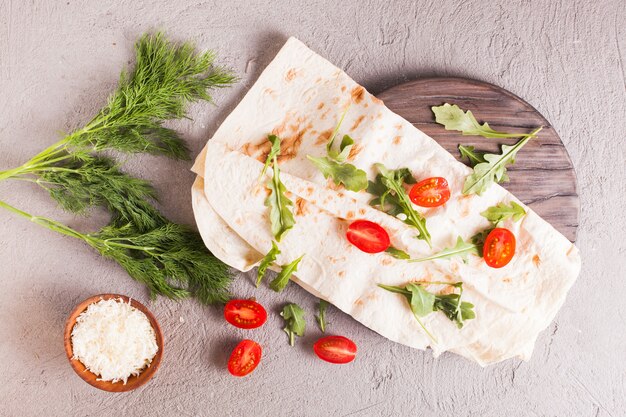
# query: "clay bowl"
{"type": "Point", "coordinates": [90, 378]}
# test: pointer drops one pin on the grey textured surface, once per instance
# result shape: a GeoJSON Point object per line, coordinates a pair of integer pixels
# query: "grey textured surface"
{"type": "Point", "coordinates": [58, 62]}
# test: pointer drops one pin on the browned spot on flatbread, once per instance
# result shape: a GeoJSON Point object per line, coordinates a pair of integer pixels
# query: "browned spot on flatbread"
{"type": "Point", "coordinates": [341, 274]}
{"type": "Point", "coordinates": [350, 215]}
{"type": "Point", "coordinates": [358, 302]}
{"type": "Point", "coordinates": [270, 92]}
{"type": "Point", "coordinates": [318, 80]}
{"type": "Point", "coordinates": [397, 140]}
{"type": "Point", "coordinates": [536, 260]}
{"type": "Point", "coordinates": [385, 261]}
{"type": "Point", "coordinates": [362, 211]}
{"type": "Point", "coordinates": [258, 151]}
{"type": "Point", "coordinates": [319, 106]}
{"type": "Point", "coordinates": [335, 100]}
{"type": "Point", "coordinates": [357, 94]}
{"type": "Point", "coordinates": [398, 126]}
{"type": "Point", "coordinates": [354, 151]}
{"type": "Point", "coordinates": [301, 206]}
{"type": "Point", "coordinates": [330, 184]}
{"type": "Point", "coordinates": [376, 100]}
{"type": "Point", "coordinates": [309, 190]}
{"type": "Point", "coordinates": [291, 74]}
{"type": "Point", "coordinates": [323, 137]}
{"type": "Point", "coordinates": [506, 280]}
{"type": "Point", "coordinates": [325, 114]}
{"type": "Point", "coordinates": [569, 251]}
{"type": "Point", "coordinates": [343, 88]}
{"type": "Point", "coordinates": [340, 195]}
{"type": "Point", "coordinates": [357, 122]}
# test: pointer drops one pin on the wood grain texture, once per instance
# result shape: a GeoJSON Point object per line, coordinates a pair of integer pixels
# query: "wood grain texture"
{"type": "Point", "coordinates": [543, 176]}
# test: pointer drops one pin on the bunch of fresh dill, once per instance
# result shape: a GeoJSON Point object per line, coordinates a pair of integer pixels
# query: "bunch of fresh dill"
{"type": "Point", "coordinates": [170, 259]}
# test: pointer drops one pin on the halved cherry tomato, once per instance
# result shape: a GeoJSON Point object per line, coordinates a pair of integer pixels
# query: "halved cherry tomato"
{"type": "Point", "coordinates": [368, 236]}
{"type": "Point", "coordinates": [335, 349]}
{"type": "Point", "coordinates": [245, 358]}
{"type": "Point", "coordinates": [499, 247]}
{"type": "Point", "coordinates": [245, 314]}
{"type": "Point", "coordinates": [431, 192]}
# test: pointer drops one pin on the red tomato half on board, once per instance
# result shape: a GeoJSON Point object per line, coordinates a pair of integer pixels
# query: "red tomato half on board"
{"type": "Point", "coordinates": [368, 236]}
{"type": "Point", "coordinates": [245, 358]}
{"type": "Point", "coordinates": [335, 349]}
{"type": "Point", "coordinates": [245, 314]}
{"type": "Point", "coordinates": [431, 192]}
{"type": "Point", "coordinates": [499, 247]}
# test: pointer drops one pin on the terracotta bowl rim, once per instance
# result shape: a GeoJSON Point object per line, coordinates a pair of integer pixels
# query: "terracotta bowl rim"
{"type": "Point", "coordinates": [90, 378]}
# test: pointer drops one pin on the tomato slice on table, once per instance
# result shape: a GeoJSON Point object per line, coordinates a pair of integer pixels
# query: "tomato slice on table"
{"type": "Point", "coordinates": [245, 358]}
{"type": "Point", "coordinates": [499, 247]}
{"type": "Point", "coordinates": [245, 314]}
{"type": "Point", "coordinates": [335, 349]}
{"type": "Point", "coordinates": [431, 192]}
{"type": "Point", "coordinates": [368, 236]}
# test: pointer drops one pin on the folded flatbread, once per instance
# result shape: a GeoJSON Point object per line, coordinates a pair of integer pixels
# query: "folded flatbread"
{"type": "Point", "coordinates": [300, 97]}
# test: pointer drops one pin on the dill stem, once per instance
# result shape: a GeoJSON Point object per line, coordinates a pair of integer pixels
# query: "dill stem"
{"type": "Point", "coordinates": [93, 241]}
{"type": "Point", "coordinates": [45, 222]}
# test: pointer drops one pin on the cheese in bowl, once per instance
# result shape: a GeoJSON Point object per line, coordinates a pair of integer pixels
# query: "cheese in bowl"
{"type": "Point", "coordinates": [114, 340]}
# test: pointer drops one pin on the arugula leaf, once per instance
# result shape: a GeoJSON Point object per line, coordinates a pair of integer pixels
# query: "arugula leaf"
{"type": "Point", "coordinates": [494, 169]}
{"type": "Point", "coordinates": [280, 206]}
{"type": "Point", "coordinates": [452, 117]}
{"type": "Point", "coordinates": [397, 253]}
{"type": "Point", "coordinates": [280, 282]}
{"type": "Point", "coordinates": [294, 321]}
{"type": "Point", "coordinates": [474, 157]}
{"type": "Point", "coordinates": [423, 302]}
{"type": "Point", "coordinates": [461, 248]}
{"type": "Point", "coordinates": [333, 165]}
{"type": "Point", "coordinates": [393, 199]}
{"type": "Point", "coordinates": [416, 308]}
{"type": "Point", "coordinates": [267, 261]}
{"type": "Point", "coordinates": [351, 177]}
{"type": "Point", "coordinates": [500, 212]}
{"type": "Point", "coordinates": [344, 148]}
{"type": "Point", "coordinates": [321, 317]}
{"type": "Point", "coordinates": [479, 239]}
{"type": "Point", "coordinates": [274, 152]}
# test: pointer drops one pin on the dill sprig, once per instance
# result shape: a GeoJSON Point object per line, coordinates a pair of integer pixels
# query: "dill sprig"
{"type": "Point", "coordinates": [168, 258]}
{"type": "Point", "coordinates": [166, 78]}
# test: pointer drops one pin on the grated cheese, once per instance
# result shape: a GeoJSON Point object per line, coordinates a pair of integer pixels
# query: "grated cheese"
{"type": "Point", "coordinates": [114, 340]}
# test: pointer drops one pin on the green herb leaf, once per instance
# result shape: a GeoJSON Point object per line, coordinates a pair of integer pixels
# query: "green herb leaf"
{"type": "Point", "coordinates": [280, 282]}
{"type": "Point", "coordinates": [461, 248]}
{"type": "Point", "coordinates": [423, 302]}
{"type": "Point", "coordinates": [334, 166]}
{"type": "Point", "coordinates": [281, 216]}
{"type": "Point", "coordinates": [267, 260]}
{"type": "Point", "coordinates": [294, 321]}
{"type": "Point", "coordinates": [474, 157]}
{"type": "Point", "coordinates": [167, 76]}
{"type": "Point", "coordinates": [479, 240]}
{"type": "Point", "coordinates": [351, 177]}
{"type": "Point", "coordinates": [170, 260]}
{"type": "Point", "coordinates": [321, 316]}
{"type": "Point", "coordinates": [494, 169]}
{"type": "Point", "coordinates": [397, 253]}
{"type": "Point", "coordinates": [274, 152]}
{"type": "Point", "coordinates": [452, 117]}
{"type": "Point", "coordinates": [393, 199]}
{"type": "Point", "coordinates": [500, 212]}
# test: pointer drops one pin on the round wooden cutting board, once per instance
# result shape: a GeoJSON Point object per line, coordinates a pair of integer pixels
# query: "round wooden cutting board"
{"type": "Point", "coordinates": [542, 177]}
